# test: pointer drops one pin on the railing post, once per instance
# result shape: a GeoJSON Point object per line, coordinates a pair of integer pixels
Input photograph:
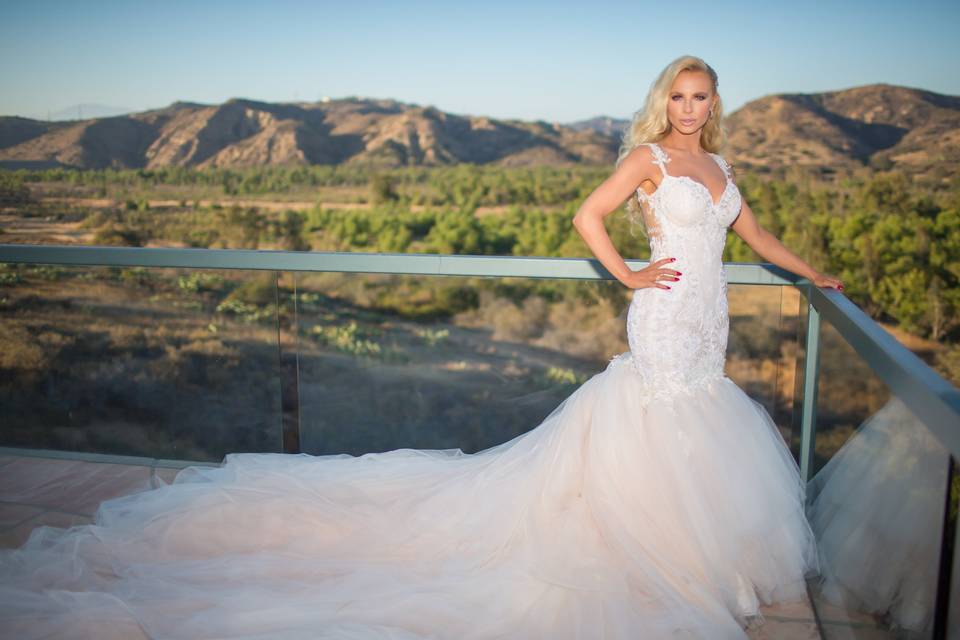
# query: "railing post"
{"type": "Point", "coordinates": [811, 371]}
{"type": "Point", "coordinates": [945, 624]}
{"type": "Point", "coordinates": [288, 352]}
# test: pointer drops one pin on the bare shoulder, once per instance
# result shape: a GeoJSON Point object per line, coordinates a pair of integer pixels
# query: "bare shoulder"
{"type": "Point", "coordinates": [642, 153]}
{"type": "Point", "coordinates": [638, 164]}
{"type": "Point", "coordinates": [634, 169]}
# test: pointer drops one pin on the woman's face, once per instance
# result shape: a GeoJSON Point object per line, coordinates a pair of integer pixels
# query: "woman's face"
{"type": "Point", "coordinates": [690, 101]}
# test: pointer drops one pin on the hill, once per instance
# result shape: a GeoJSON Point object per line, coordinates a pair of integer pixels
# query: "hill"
{"type": "Point", "coordinates": [881, 126]}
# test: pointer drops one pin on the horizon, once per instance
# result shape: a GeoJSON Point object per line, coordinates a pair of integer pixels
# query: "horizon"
{"type": "Point", "coordinates": [113, 111]}
{"type": "Point", "coordinates": [504, 61]}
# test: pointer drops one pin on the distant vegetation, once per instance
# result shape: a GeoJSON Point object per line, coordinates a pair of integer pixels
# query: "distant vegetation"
{"type": "Point", "coordinates": [896, 244]}
{"type": "Point", "coordinates": [898, 250]}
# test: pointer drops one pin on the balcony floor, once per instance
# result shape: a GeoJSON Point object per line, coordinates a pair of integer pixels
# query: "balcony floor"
{"type": "Point", "coordinates": [63, 492]}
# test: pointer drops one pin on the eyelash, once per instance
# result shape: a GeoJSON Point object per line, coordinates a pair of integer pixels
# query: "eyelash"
{"type": "Point", "coordinates": [701, 96]}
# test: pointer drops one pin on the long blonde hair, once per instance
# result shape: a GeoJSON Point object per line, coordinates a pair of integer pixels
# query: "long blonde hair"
{"type": "Point", "coordinates": [650, 124]}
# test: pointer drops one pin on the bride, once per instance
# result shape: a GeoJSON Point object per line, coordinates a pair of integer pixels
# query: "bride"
{"type": "Point", "coordinates": [658, 500]}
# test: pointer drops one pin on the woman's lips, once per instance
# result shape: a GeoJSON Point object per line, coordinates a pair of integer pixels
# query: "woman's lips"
{"type": "Point", "coordinates": [688, 121]}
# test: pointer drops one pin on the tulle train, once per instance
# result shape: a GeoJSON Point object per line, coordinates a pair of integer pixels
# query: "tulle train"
{"type": "Point", "coordinates": [612, 519]}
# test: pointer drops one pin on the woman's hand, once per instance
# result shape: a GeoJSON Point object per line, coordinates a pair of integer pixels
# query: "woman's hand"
{"type": "Point", "coordinates": [652, 275]}
{"type": "Point", "coordinates": [823, 280]}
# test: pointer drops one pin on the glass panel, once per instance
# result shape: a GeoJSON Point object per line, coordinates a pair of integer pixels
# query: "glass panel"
{"type": "Point", "coordinates": [161, 363]}
{"type": "Point", "coordinates": [394, 361]}
{"type": "Point", "coordinates": [391, 361]}
{"type": "Point", "coordinates": [876, 504]}
{"type": "Point", "coordinates": [762, 350]}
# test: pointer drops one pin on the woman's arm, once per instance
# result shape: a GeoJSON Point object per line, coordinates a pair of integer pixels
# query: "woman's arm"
{"type": "Point", "coordinates": [768, 247]}
{"type": "Point", "coordinates": [603, 201]}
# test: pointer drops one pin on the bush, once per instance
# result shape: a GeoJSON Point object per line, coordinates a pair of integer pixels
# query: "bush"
{"type": "Point", "coordinates": [381, 189]}
{"type": "Point", "coordinates": [117, 236]}
{"type": "Point", "coordinates": [13, 191]}
{"type": "Point", "coordinates": [259, 290]}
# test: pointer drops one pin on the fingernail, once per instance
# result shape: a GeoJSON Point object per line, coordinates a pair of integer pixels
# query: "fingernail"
{"type": "Point", "coordinates": [679, 272]}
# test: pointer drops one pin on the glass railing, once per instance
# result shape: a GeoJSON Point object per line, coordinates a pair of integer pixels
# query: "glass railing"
{"type": "Point", "coordinates": [765, 350]}
{"type": "Point", "coordinates": [176, 362]}
{"type": "Point", "coordinates": [187, 355]}
{"type": "Point", "coordinates": [882, 495]}
{"type": "Point", "coordinates": [157, 362]}
{"type": "Point", "coordinates": [876, 502]}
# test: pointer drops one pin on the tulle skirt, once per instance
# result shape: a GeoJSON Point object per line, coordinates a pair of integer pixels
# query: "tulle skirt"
{"type": "Point", "coordinates": [614, 518]}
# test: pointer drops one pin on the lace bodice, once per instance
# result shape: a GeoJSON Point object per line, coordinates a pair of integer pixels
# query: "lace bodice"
{"type": "Point", "coordinates": [686, 202]}
{"type": "Point", "coordinates": [678, 336]}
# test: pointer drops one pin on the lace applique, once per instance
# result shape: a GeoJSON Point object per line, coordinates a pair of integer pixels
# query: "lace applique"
{"type": "Point", "coordinates": [644, 197]}
{"type": "Point", "coordinates": [664, 389]}
{"type": "Point", "coordinates": [678, 336]}
{"type": "Point", "coordinates": [660, 158]}
{"type": "Point", "coordinates": [723, 165]}
{"type": "Point", "coordinates": [648, 202]}
{"type": "Point", "coordinates": [693, 202]}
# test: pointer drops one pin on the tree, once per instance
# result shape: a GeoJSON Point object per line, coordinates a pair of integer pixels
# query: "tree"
{"type": "Point", "coordinates": [381, 187]}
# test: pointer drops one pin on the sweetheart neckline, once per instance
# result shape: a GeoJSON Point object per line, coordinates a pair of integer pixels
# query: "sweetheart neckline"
{"type": "Point", "coordinates": [726, 176]}
{"type": "Point", "coordinates": [726, 187]}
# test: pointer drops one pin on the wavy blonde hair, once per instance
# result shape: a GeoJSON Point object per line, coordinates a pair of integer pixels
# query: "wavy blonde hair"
{"type": "Point", "coordinates": [650, 124]}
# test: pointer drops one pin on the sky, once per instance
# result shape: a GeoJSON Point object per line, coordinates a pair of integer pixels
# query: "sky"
{"type": "Point", "coordinates": [556, 61]}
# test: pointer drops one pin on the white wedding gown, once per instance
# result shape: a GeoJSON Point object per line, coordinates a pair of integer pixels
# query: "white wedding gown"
{"type": "Point", "coordinates": [658, 500]}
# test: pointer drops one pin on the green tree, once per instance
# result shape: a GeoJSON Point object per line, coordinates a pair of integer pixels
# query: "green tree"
{"type": "Point", "coordinates": [382, 189]}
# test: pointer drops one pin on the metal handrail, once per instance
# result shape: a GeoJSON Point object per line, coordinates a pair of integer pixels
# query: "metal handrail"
{"type": "Point", "coordinates": [355, 262]}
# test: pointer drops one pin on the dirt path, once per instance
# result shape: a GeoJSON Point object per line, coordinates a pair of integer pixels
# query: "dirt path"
{"type": "Point", "coordinates": [21, 230]}
{"type": "Point", "coordinates": [268, 205]}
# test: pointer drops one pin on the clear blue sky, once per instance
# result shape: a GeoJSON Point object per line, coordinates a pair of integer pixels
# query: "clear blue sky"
{"type": "Point", "coordinates": [557, 61]}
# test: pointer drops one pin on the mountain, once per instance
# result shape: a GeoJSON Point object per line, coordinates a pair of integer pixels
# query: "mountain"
{"type": "Point", "coordinates": [879, 125]}
{"type": "Point", "coordinates": [612, 127]}
{"type": "Point", "coordinates": [244, 132]}
{"type": "Point", "coordinates": [882, 125]}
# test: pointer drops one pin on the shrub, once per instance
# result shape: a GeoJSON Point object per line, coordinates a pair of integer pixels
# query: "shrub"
{"type": "Point", "coordinates": [117, 236]}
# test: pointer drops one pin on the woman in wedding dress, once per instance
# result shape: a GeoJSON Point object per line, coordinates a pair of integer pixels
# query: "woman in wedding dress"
{"type": "Point", "coordinates": [656, 501]}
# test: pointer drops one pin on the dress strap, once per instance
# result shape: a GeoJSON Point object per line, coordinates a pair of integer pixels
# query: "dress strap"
{"type": "Point", "coordinates": [723, 164]}
{"type": "Point", "coordinates": [660, 157]}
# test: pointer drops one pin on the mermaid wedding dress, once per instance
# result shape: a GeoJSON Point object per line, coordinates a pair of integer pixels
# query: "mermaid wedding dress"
{"type": "Point", "coordinates": [657, 500]}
